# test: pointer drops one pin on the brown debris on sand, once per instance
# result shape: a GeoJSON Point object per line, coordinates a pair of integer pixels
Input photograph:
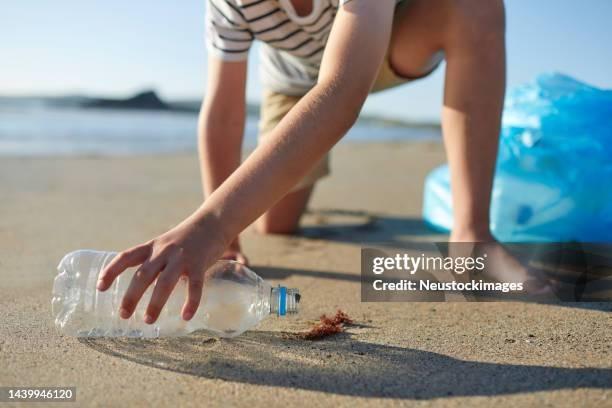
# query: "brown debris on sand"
{"type": "Point", "coordinates": [327, 326]}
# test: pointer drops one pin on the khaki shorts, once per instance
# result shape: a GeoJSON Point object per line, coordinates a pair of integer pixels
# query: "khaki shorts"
{"type": "Point", "coordinates": [275, 106]}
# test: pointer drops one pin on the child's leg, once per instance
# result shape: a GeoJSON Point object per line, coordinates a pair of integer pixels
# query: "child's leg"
{"type": "Point", "coordinates": [471, 117]}
{"type": "Point", "coordinates": [284, 216]}
{"type": "Point", "coordinates": [471, 34]}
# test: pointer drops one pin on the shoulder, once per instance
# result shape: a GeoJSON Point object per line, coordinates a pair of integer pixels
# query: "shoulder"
{"type": "Point", "coordinates": [226, 12]}
{"type": "Point", "coordinates": [240, 7]}
{"type": "Point", "coordinates": [246, 3]}
{"type": "Point", "coordinates": [242, 4]}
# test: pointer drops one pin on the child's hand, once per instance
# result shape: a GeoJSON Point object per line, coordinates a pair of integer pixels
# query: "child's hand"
{"type": "Point", "coordinates": [188, 249]}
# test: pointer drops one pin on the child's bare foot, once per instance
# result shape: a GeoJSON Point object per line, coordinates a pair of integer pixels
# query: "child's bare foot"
{"type": "Point", "coordinates": [234, 253]}
{"type": "Point", "coordinates": [502, 265]}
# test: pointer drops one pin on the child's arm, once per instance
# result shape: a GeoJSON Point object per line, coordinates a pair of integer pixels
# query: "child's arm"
{"type": "Point", "coordinates": [221, 122]}
{"type": "Point", "coordinates": [355, 50]}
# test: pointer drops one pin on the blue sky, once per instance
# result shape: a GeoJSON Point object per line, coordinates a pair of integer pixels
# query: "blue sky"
{"type": "Point", "coordinates": [114, 47]}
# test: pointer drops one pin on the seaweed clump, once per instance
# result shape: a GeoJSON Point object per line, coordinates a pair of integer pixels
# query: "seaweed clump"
{"type": "Point", "coordinates": [327, 326]}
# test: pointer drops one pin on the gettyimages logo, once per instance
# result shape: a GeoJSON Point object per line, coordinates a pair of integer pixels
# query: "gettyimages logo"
{"type": "Point", "coordinates": [487, 272]}
{"type": "Point", "coordinates": [414, 263]}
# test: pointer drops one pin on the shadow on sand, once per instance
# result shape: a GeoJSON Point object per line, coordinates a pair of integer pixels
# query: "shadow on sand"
{"type": "Point", "coordinates": [361, 227]}
{"type": "Point", "coordinates": [344, 366]}
{"type": "Point", "coordinates": [412, 234]}
{"type": "Point", "coordinates": [280, 273]}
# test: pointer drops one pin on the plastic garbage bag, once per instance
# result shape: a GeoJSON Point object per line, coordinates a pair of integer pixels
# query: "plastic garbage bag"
{"type": "Point", "coordinates": [553, 180]}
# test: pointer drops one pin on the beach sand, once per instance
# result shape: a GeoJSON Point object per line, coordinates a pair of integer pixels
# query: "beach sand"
{"type": "Point", "coordinates": [452, 354]}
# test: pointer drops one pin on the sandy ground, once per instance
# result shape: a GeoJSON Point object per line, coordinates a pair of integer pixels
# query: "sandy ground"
{"type": "Point", "coordinates": [447, 354]}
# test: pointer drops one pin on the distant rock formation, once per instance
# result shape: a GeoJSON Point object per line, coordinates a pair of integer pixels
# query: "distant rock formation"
{"type": "Point", "coordinates": [144, 100]}
{"type": "Point", "coordinates": [148, 100]}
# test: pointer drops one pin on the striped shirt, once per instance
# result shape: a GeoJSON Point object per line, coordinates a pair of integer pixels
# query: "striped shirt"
{"type": "Point", "coordinates": [292, 45]}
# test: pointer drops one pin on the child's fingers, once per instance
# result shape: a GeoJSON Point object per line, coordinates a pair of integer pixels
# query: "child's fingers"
{"type": "Point", "coordinates": [194, 294]}
{"type": "Point", "coordinates": [131, 257]}
{"type": "Point", "coordinates": [141, 280]}
{"type": "Point", "coordinates": [166, 281]}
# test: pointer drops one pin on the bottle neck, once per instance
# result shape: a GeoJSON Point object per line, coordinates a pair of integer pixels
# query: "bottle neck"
{"type": "Point", "coordinates": [284, 300]}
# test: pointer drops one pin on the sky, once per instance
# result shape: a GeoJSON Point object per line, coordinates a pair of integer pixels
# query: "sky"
{"type": "Point", "coordinates": [117, 47]}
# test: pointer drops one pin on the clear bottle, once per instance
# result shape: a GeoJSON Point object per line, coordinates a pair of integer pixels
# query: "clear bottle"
{"type": "Point", "coordinates": [234, 299]}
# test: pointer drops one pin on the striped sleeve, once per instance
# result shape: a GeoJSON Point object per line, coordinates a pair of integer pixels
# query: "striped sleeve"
{"type": "Point", "coordinates": [343, 2]}
{"type": "Point", "coordinates": [227, 33]}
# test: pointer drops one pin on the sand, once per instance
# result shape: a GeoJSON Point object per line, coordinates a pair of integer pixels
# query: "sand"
{"type": "Point", "coordinates": [448, 354]}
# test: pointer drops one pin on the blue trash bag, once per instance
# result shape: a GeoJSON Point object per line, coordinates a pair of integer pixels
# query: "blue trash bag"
{"type": "Point", "coordinates": [553, 181]}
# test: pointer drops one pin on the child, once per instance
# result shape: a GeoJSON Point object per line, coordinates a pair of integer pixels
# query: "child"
{"type": "Point", "coordinates": [320, 60]}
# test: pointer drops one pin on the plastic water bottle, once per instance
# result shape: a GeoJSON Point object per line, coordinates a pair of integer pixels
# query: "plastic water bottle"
{"type": "Point", "coordinates": [234, 300]}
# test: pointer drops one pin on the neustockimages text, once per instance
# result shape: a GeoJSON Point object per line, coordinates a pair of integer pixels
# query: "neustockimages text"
{"type": "Point", "coordinates": [472, 286]}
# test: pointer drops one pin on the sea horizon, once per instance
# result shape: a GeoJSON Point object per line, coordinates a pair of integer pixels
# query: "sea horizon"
{"type": "Point", "coordinates": [36, 127]}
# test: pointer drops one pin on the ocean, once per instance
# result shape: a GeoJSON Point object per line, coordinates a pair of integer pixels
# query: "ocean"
{"type": "Point", "coordinates": [39, 130]}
